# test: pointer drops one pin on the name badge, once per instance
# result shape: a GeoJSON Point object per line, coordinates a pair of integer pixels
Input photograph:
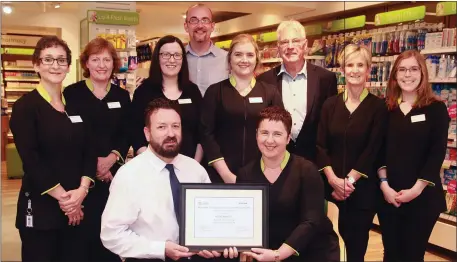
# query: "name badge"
{"type": "Point", "coordinates": [75, 119]}
{"type": "Point", "coordinates": [185, 101]}
{"type": "Point", "coordinates": [255, 100]}
{"type": "Point", "coordinates": [114, 105]}
{"type": "Point", "coordinates": [418, 118]}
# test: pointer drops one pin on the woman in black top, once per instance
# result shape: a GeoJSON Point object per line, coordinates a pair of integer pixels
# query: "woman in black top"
{"type": "Point", "coordinates": [52, 140]}
{"type": "Point", "coordinates": [415, 146]}
{"type": "Point", "coordinates": [105, 107]}
{"type": "Point", "coordinates": [298, 228]}
{"type": "Point", "coordinates": [348, 141]}
{"type": "Point", "coordinates": [169, 78]}
{"type": "Point", "coordinates": [230, 111]}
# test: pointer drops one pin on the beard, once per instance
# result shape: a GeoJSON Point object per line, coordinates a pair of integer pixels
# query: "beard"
{"type": "Point", "coordinates": [169, 151]}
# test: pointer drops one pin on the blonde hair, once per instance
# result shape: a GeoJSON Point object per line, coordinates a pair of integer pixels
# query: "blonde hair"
{"type": "Point", "coordinates": [351, 51]}
{"type": "Point", "coordinates": [244, 38]}
{"type": "Point", "coordinates": [291, 25]}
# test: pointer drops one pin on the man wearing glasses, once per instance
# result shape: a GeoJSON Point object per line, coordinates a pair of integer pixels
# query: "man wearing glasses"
{"type": "Point", "coordinates": [304, 87]}
{"type": "Point", "coordinates": [207, 63]}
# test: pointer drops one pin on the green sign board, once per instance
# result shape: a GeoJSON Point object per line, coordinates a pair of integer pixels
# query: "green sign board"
{"type": "Point", "coordinates": [268, 37]}
{"type": "Point", "coordinates": [113, 17]}
{"type": "Point", "coordinates": [446, 8]}
{"type": "Point", "coordinates": [400, 16]}
{"type": "Point", "coordinates": [347, 23]}
{"type": "Point", "coordinates": [313, 29]}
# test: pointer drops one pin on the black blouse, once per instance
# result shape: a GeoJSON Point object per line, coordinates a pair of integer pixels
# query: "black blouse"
{"type": "Point", "coordinates": [415, 149]}
{"type": "Point", "coordinates": [296, 207]}
{"type": "Point", "coordinates": [347, 141]}
{"type": "Point", "coordinates": [55, 148]}
{"type": "Point", "coordinates": [229, 122]}
{"type": "Point", "coordinates": [189, 103]}
{"type": "Point", "coordinates": [108, 117]}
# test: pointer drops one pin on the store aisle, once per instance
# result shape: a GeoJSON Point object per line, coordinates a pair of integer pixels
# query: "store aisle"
{"type": "Point", "coordinates": [11, 248]}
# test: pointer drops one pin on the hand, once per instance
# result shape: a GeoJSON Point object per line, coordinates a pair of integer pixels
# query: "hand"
{"type": "Point", "coordinates": [175, 251]}
{"type": "Point", "coordinates": [107, 177]}
{"type": "Point", "coordinates": [75, 196]}
{"type": "Point", "coordinates": [206, 254]}
{"type": "Point", "coordinates": [261, 254]}
{"type": "Point", "coordinates": [75, 217]}
{"type": "Point", "coordinates": [389, 194]}
{"type": "Point", "coordinates": [105, 163]}
{"type": "Point", "coordinates": [342, 187]}
{"type": "Point", "coordinates": [405, 196]}
{"type": "Point", "coordinates": [337, 196]}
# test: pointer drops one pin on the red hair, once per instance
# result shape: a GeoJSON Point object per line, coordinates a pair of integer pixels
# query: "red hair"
{"type": "Point", "coordinates": [425, 95]}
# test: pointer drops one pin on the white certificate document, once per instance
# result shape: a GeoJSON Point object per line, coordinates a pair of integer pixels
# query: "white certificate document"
{"type": "Point", "coordinates": [224, 217]}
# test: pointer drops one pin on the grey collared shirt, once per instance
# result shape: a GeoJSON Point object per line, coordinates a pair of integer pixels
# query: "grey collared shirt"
{"type": "Point", "coordinates": [207, 69]}
{"type": "Point", "coordinates": [294, 97]}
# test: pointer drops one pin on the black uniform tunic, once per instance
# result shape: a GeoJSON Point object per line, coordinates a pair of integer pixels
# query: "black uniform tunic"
{"type": "Point", "coordinates": [296, 210]}
{"type": "Point", "coordinates": [54, 150]}
{"type": "Point", "coordinates": [229, 123]}
{"type": "Point", "coordinates": [348, 141]}
{"type": "Point", "coordinates": [189, 103]}
{"type": "Point", "coordinates": [415, 148]}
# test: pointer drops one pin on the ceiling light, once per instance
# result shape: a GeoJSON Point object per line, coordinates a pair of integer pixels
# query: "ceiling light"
{"type": "Point", "coordinates": [7, 9]}
{"type": "Point", "coordinates": [184, 16]}
{"type": "Point", "coordinates": [56, 6]}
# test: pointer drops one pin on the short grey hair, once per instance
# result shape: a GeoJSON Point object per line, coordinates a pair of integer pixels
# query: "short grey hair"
{"type": "Point", "coordinates": [291, 25]}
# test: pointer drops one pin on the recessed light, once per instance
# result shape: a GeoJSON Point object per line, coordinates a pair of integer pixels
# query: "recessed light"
{"type": "Point", "coordinates": [7, 9]}
{"type": "Point", "coordinates": [56, 6]}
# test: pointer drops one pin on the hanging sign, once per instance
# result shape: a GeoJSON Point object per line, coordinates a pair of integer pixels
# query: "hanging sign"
{"type": "Point", "coordinates": [268, 37]}
{"type": "Point", "coordinates": [446, 8]}
{"type": "Point", "coordinates": [400, 16]}
{"type": "Point", "coordinates": [113, 17]}
{"type": "Point", "coordinates": [19, 40]}
{"type": "Point", "coordinates": [223, 44]}
{"type": "Point", "coordinates": [347, 23]}
{"type": "Point", "coordinates": [313, 29]}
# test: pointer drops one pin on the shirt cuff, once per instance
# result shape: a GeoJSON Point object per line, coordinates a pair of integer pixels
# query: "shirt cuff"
{"type": "Point", "coordinates": [429, 182]}
{"type": "Point", "coordinates": [120, 159]}
{"type": "Point", "coordinates": [158, 249]}
{"type": "Point", "coordinates": [215, 160]}
{"type": "Point", "coordinates": [93, 182]}
{"type": "Point", "coordinates": [382, 168]}
{"type": "Point", "coordinates": [296, 252]}
{"type": "Point", "coordinates": [361, 174]}
{"type": "Point", "coordinates": [52, 188]}
{"type": "Point", "coordinates": [322, 169]}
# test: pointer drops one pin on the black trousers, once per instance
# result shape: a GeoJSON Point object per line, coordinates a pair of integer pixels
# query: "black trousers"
{"type": "Point", "coordinates": [94, 204]}
{"type": "Point", "coordinates": [405, 231]}
{"type": "Point", "coordinates": [52, 245]}
{"type": "Point", "coordinates": [354, 226]}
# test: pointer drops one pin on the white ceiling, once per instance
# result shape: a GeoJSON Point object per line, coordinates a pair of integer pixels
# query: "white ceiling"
{"type": "Point", "coordinates": [160, 18]}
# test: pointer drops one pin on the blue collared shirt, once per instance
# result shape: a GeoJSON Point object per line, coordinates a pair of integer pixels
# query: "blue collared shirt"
{"type": "Point", "coordinates": [208, 68]}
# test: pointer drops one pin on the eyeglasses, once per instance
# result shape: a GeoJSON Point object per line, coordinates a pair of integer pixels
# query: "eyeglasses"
{"type": "Point", "coordinates": [413, 70]}
{"type": "Point", "coordinates": [194, 21]}
{"type": "Point", "coordinates": [167, 56]}
{"type": "Point", "coordinates": [98, 60]}
{"type": "Point", "coordinates": [295, 42]}
{"type": "Point", "coordinates": [50, 61]}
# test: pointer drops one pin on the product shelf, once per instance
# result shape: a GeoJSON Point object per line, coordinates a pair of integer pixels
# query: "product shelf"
{"type": "Point", "coordinates": [271, 60]}
{"type": "Point", "coordinates": [442, 50]}
{"type": "Point", "coordinates": [14, 89]}
{"type": "Point", "coordinates": [28, 69]}
{"type": "Point", "coordinates": [13, 79]}
{"type": "Point", "coordinates": [443, 81]}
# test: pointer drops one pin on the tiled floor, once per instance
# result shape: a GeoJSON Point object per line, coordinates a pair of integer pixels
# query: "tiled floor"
{"type": "Point", "coordinates": [11, 247]}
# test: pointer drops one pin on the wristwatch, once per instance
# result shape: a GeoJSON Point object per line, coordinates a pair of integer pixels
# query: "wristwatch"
{"type": "Point", "coordinates": [351, 179]}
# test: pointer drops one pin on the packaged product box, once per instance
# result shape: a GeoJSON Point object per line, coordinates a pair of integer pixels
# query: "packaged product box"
{"type": "Point", "coordinates": [448, 175]}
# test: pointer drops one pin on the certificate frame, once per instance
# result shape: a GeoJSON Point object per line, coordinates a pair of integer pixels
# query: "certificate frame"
{"type": "Point", "coordinates": [191, 192]}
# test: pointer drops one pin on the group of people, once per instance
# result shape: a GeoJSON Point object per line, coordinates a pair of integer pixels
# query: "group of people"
{"type": "Point", "coordinates": [202, 116]}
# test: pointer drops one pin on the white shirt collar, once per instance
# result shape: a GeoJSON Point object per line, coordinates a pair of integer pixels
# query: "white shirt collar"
{"type": "Point", "coordinates": [302, 71]}
{"type": "Point", "coordinates": [158, 163]}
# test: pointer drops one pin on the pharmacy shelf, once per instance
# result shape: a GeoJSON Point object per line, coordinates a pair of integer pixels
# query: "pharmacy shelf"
{"type": "Point", "coordinates": [448, 217]}
{"type": "Point", "coordinates": [445, 187]}
{"type": "Point", "coordinates": [271, 60]}
{"type": "Point", "coordinates": [315, 57]}
{"type": "Point", "coordinates": [11, 100]}
{"type": "Point", "coordinates": [18, 89]}
{"type": "Point", "coordinates": [448, 164]}
{"type": "Point", "coordinates": [443, 81]}
{"type": "Point", "coordinates": [442, 50]}
{"type": "Point", "coordinates": [13, 79]}
{"type": "Point", "coordinates": [10, 68]}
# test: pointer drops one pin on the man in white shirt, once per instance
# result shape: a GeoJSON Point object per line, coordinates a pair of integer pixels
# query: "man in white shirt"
{"type": "Point", "coordinates": [140, 218]}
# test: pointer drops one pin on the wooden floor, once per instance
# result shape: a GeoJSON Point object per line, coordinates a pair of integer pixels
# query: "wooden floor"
{"type": "Point", "coordinates": [11, 245]}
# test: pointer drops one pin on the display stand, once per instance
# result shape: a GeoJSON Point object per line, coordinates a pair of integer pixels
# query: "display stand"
{"type": "Point", "coordinates": [118, 28]}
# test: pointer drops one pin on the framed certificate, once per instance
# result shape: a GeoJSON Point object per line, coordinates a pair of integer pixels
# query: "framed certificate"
{"type": "Point", "coordinates": [218, 216]}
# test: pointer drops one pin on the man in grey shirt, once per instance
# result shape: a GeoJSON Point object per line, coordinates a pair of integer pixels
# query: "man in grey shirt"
{"type": "Point", "coordinates": [207, 63]}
